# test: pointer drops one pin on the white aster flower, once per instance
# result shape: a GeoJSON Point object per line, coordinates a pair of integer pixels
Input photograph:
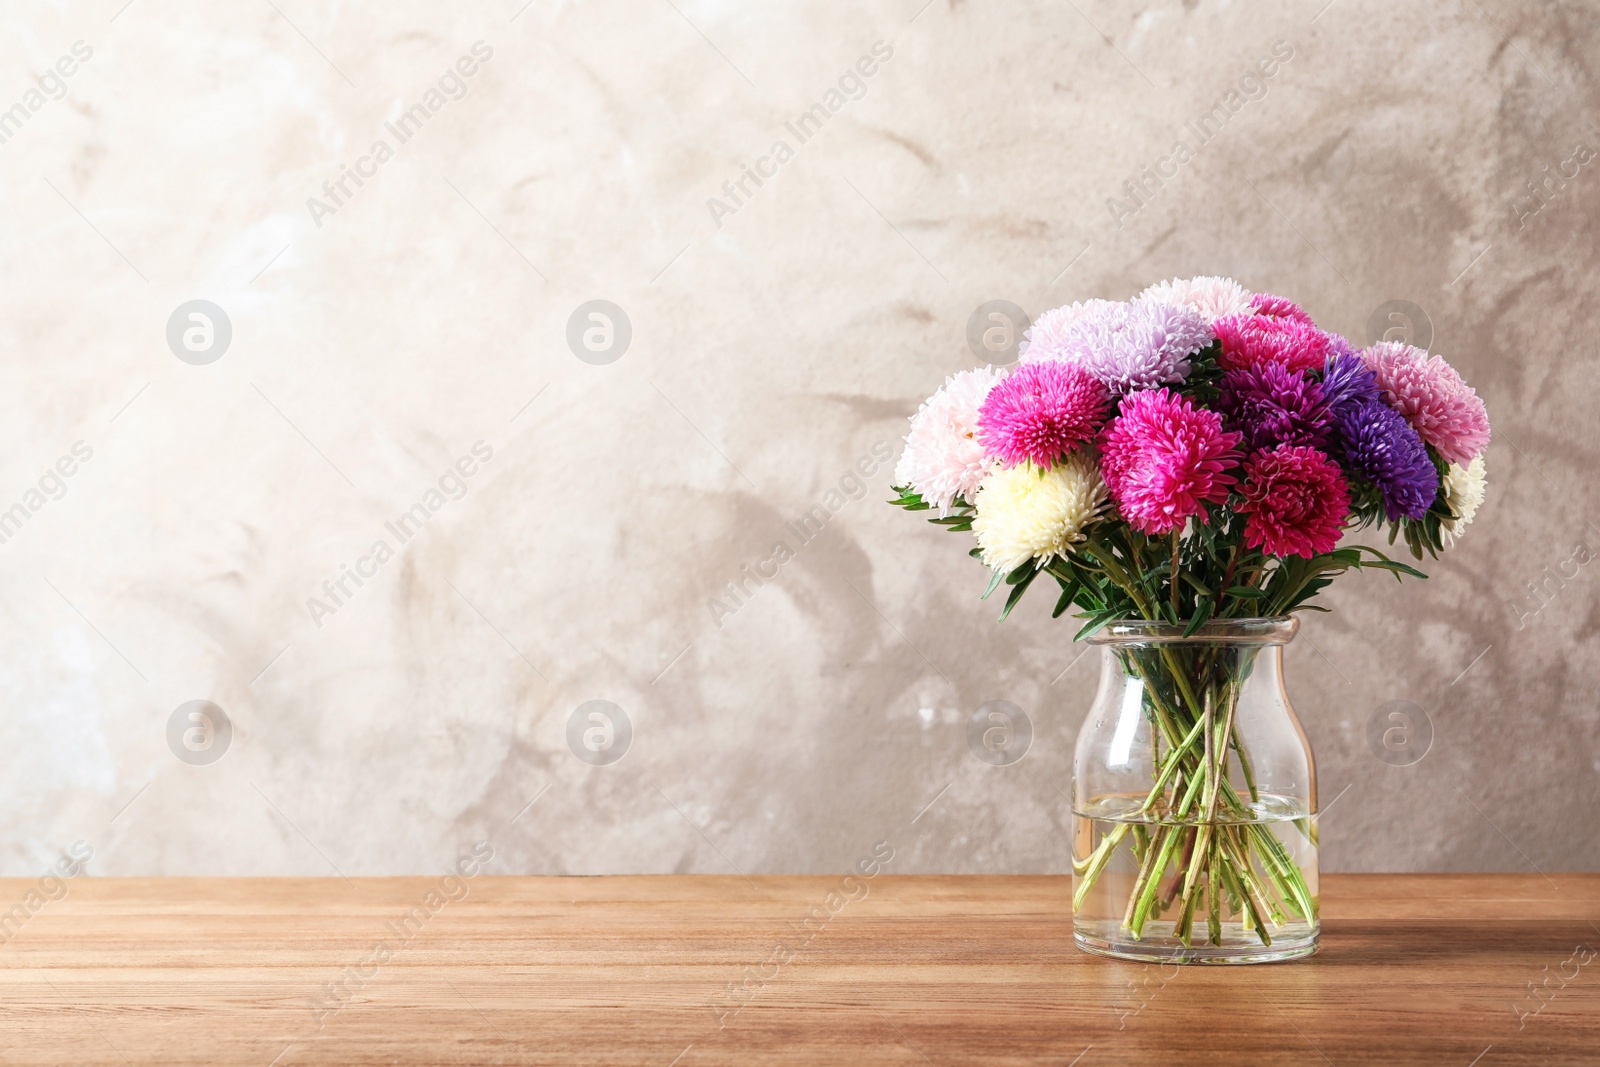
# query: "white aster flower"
{"type": "Point", "coordinates": [1212, 297]}
{"type": "Point", "coordinates": [943, 459]}
{"type": "Point", "coordinates": [1026, 514]}
{"type": "Point", "coordinates": [1464, 489]}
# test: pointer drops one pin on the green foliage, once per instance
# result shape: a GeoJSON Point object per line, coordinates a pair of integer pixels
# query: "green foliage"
{"type": "Point", "coordinates": [1115, 572]}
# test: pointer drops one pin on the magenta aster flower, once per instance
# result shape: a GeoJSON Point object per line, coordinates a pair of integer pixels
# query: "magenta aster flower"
{"type": "Point", "coordinates": [1042, 412]}
{"type": "Point", "coordinates": [1248, 340]}
{"type": "Point", "coordinates": [1444, 410]}
{"type": "Point", "coordinates": [1272, 405]}
{"type": "Point", "coordinates": [1127, 346]}
{"type": "Point", "coordinates": [1296, 500]}
{"type": "Point", "coordinates": [1165, 459]}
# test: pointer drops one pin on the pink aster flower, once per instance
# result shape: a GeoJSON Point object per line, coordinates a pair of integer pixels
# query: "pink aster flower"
{"type": "Point", "coordinates": [1165, 459]}
{"type": "Point", "coordinates": [1042, 412]}
{"type": "Point", "coordinates": [1296, 500]}
{"type": "Point", "coordinates": [1277, 307]}
{"type": "Point", "coordinates": [1445, 411]}
{"type": "Point", "coordinates": [1249, 340]}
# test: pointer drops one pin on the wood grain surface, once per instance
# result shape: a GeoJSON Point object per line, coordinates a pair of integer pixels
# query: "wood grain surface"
{"type": "Point", "coordinates": [1482, 970]}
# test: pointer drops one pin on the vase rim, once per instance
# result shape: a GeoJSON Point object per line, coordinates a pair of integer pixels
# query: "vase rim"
{"type": "Point", "coordinates": [1277, 630]}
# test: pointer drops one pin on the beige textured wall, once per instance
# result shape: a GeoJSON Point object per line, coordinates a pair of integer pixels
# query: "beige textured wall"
{"type": "Point", "coordinates": [772, 348]}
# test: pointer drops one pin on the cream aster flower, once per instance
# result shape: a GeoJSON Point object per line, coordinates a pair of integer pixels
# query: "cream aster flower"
{"type": "Point", "coordinates": [1026, 514]}
{"type": "Point", "coordinates": [1464, 489]}
{"type": "Point", "coordinates": [943, 459]}
{"type": "Point", "coordinates": [1212, 297]}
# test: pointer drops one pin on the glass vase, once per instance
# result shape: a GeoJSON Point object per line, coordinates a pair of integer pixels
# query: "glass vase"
{"type": "Point", "coordinates": [1194, 799]}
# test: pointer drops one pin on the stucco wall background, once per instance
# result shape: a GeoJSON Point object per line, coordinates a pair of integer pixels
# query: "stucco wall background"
{"type": "Point", "coordinates": [1385, 166]}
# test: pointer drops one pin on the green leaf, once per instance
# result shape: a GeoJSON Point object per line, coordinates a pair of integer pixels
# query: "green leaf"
{"type": "Point", "coordinates": [994, 581]}
{"type": "Point", "coordinates": [1246, 592]}
{"type": "Point", "coordinates": [1202, 612]}
{"type": "Point", "coordinates": [1099, 621]}
{"type": "Point", "coordinates": [1067, 591]}
{"type": "Point", "coordinates": [1017, 591]}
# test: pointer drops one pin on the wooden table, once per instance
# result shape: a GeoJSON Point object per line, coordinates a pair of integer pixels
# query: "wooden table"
{"type": "Point", "coordinates": [1441, 969]}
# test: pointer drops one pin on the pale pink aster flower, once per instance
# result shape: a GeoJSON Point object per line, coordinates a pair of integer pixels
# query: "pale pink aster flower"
{"type": "Point", "coordinates": [1211, 297]}
{"type": "Point", "coordinates": [1445, 411]}
{"type": "Point", "coordinates": [1048, 329]}
{"type": "Point", "coordinates": [943, 460]}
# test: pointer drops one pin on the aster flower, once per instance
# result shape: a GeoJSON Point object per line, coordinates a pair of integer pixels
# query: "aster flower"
{"type": "Point", "coordinates": [1296, 500]}
{"type": "Point", "coordinates": [1262, 338]}
{"type": "Point", "coordinates": [1041, 412]}
{"type": "Point", "coordinates": [943, 460]}
{"type": "Point", "coordinates": [1464, 489]}
{"type": "Point", "coordinates": [1378, 445]}
{"type": "Point", "coordinates": [1127, 346]}
{"type": "Point", "coordinates": [1047, 330]}
{"type": "Point", "coordinates": [1025, 514]}
{"type": "Point", "coordinates": [1276, 307]}
{"type": "Point", "coordinates": [1339, 345]}
{"type": "Point", "coordinates": [1272, 405]}
{"type": "Point", "coordinates": [1443, 409]}
{"type": "Point", "coordinates": [1164, 459]}
{"type": "Point", "coordinates": [1346, 383]}
{"type": "Point", "coordinates": [1210, 296]}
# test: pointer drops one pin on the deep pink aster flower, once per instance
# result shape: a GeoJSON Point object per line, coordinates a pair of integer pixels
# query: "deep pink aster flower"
{"type": "Point", "coordinates": [1042, 412]}
{"type": "Point", "coordinates": [1277, 307]}
{"type": "Point", "coordinates": [1165, 459]}
{"type": "Point", "coordinates": [1445, 411]}
{"type": "Point", "coordinates": [1249, 340]}
{"type": "Point", "coordinates": [1297, 501]}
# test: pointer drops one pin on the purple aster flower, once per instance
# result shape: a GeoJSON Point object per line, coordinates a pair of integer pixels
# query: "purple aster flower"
{"type": "Point", "coordinates": [1273, 405]}
{"type": "Point", "coordinates": [1346, 382]}
{"type": "Point", "coordinates": [1339, 345]}
{"type": "Point", "coordinates": [1379, 445]}
{"type": "Point", "coordinates": [1128, 346]}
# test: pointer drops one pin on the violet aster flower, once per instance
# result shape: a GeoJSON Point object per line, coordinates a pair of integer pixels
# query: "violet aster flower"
{"type": "Point", "coordinates": [1128, 346]}
{"type": "Point", "coordinates": [1272, 405]}
{"type": "Point", "coordinates": [1379, 445]}
{"type": "Point", "coordinates": [1041, 412]}
{"type": "Point", "coordinates": [1346, 382]}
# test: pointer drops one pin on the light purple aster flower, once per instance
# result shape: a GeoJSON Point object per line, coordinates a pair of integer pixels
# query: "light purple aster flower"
{"type": "Point", "coordinates": [1339, 345]}
{"type": "Point", "coordinates": [1128, 346]}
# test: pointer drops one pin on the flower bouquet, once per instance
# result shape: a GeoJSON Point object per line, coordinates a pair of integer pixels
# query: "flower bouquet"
{"type": "Point", "coordinates": [1183, 466]}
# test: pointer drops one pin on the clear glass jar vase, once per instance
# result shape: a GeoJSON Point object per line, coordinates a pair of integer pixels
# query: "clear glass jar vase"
{"type": "Point", "coordinates": [1194, 799]}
